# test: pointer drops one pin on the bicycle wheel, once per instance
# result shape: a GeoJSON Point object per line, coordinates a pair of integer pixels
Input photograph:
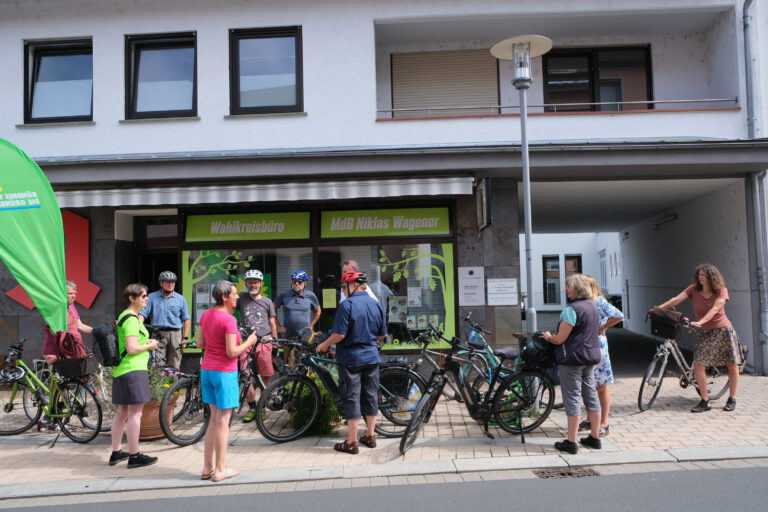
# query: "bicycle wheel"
{"type": "Point", "coordinates": [243, 383]}
{"type": "Point", "coordinates": [183, 415]}
{"type": "Point", "coordinates": [523, 401]}
{"type": "Point", "coordinates": [651, 383]}
{"type": "Point", "coordinates": [399, 391]}
{"type": "Point", "coordinates": [419, 417]}
{"type": "Point", "coordinates": [717, 382]}
{"type": "Point", "coordinates": [18, 408]}
{"type": "Point", "coordinates": [102, 387]}
{"type": "Point", "coordinates": [82, 411]}
{"type": "Point", "coordinates": [287, 408]}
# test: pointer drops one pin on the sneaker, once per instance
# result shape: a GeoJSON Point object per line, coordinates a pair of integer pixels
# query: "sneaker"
{"type": "Point", "coordinates": [591, 442]}
{"type": "Point", "coordinates": [585, 425]}
{"type": "Point", "coordinates": [568, 446]}
{"type": "Point", "coordinates": [730, 404]}
{"type": "Point", "coordinates": [118, 456]}
{"type": "Point", "coordinates": [249, 416]}
{"type": "Point", "coordinates": [702, 406]}
{"type": "Point", "coordinates": [139, 460]}
{"type": "Point", "coordinates": [604, 431]}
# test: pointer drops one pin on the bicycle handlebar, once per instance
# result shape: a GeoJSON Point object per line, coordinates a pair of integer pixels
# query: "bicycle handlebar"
{"type": "Point", "coordinates": [475, 325]}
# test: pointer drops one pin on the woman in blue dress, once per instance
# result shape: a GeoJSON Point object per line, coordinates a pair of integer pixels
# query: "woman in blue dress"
{"type": "Point", "coordinates": [609, 316]}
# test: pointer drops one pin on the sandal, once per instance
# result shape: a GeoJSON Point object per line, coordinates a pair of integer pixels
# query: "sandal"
{"type": "Point", "coordinates": [228, 473]}
{"type": "Point", "coordinates": [207, 476]}
{"type": "Point", "coordinates": [347, 447]}
{"type": "Point", "coordinates": [369, 441]}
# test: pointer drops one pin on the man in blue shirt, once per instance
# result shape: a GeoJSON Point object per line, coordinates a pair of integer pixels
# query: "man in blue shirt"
{"type": "Point", "coordinates": [167, 310]}
{"type": "Point", "coordinates": [359, 323]}
{"type": "Point", "coordinates": [298, 305]}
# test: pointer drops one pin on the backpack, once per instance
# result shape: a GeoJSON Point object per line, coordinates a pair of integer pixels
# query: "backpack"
{"type": "Point", "coordinates": [107, 341]}
{"type": "Point", "coordinates": [68, 346]}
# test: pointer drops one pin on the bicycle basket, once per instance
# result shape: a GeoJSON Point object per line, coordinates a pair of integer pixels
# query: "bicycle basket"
{"type": "Point", "coordinates": [538, 352]}
{"type": "Point", "coordinates": [76, 367]}
{"type": "Point", "coordinates": [665, 323]}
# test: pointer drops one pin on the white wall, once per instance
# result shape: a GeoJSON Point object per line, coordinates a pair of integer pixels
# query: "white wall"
{"type": "Point", "coordinates": [340, 76]}
{"type": "Point", "coordinates": [659, 264]}
{"type": "Point", "coordinates": [587, 245]}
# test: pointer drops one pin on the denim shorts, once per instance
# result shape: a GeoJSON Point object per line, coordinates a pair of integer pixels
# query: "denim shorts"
{"type": "Point", "coordinates": [220, 388]}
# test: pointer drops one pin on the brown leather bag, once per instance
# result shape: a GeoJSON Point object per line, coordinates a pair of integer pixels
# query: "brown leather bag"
{"type": "Point", "coordinates": [665, 323]}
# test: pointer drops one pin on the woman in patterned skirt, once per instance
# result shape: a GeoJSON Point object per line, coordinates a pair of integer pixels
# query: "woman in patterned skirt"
{"type": "Point", "coordinates": [609, 316]}
{"type": "Point", "coordinates": [717, 343]}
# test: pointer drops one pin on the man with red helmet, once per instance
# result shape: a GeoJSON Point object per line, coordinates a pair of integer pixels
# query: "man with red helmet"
{"type": "Point", "coordinates": [359, 323]}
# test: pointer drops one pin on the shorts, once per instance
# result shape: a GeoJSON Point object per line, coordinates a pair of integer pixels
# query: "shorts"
{"type": "Point", "coordinates": [359, 390]}
{"type": "Point", "coordinates": [220, 388]}
{"type": "Point", "coordinates": [264, 359]}
{"type": "Point", "coordinates": [577, 383]}
{"type": "Point", "coordinates": [131, 388]}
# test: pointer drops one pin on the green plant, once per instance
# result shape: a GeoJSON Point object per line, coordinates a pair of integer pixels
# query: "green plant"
{"type": "Point", "coordinates": [159, 382]}
{"type": "Point", "coordinates": [326, 421]}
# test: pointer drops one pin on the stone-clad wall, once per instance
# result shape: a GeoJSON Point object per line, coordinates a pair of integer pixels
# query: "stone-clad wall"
{"type": "Point", "coordinates": [496, 248]}
{"type": "Point", "coordinates": [16, 321]}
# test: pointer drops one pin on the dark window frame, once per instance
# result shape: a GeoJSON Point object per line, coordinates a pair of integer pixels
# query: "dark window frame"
{"type": "Point", "coordinates": [134, 44]}
{"type": "Point", "coordinates": [33, 52]}
{"type": "Point", "coordinates": [235, 35]}
{"type": "Point", "coordinates": [592, 55]}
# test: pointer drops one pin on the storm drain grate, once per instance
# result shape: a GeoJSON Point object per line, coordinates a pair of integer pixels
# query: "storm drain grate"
{"type": "Point", "coordinates": [566, 473]}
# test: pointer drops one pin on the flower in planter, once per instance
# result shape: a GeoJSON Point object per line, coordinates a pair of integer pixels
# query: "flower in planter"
{"type": "Point", "coordinates": [160, 379]}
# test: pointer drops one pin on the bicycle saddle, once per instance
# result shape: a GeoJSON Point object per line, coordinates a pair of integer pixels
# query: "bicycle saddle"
{"type": "Point", "coordinates": [506, 352]}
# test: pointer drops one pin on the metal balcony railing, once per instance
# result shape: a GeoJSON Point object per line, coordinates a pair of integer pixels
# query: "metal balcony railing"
{"type": "Point", "coordinates": [604, 106]}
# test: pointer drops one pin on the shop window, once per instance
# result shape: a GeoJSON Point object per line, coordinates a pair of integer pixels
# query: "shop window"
{"type": "Point", "coordinates": [161, 76]}
{"type": "Point", "coordinates": [551, 279]}
{"type": "Point", "coordinates": [265, 70]}
{"type": "Point", "coordinates": [414, 282]}
{"type": "Point", "coordinates": [572, 264]}
{"type": "Point", "coordinates": [59, 81]}
{"type": "Point", "coordinates": [612, 76]}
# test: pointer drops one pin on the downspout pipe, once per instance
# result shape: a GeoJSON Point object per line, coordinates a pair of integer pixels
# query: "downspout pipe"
{"type": "Point", "coordinates": [758, 186]}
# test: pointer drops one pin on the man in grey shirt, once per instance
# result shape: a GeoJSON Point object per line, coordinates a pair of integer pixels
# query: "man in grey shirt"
{"type": "Point", "coordinates": [298, 305]}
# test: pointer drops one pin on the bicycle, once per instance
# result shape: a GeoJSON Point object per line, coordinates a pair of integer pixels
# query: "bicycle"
{"type": "Point", "coordinates": [184, 416]}
{"type": "Point", "coordinates": [24, 398]}
{"type": "Point", "coordinates": [250, 374]}
{"type": "Point", "coordinates": [291, 404]}
{"type": "Point", "coordinates": [657, 370]}
{"type": "Point", "coordinates": [519, 400]}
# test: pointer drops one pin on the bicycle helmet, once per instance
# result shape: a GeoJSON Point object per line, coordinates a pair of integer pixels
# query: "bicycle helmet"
{"type": "Point", "coordinates": [300, 275]}
{"type": "Point", "coordinates": [254, 274]}
{"type": "Point", "coordinates": [354, 276]}
{"type": "Point", "coordinates": [167, 275]}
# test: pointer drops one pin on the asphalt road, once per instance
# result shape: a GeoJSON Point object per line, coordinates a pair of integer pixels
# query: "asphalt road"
{"type": "Point", "coordinates": [679, 491]}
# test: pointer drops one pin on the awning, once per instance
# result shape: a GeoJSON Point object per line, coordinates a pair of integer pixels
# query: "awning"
{"type": "Point", "coordinates": [270, 192]}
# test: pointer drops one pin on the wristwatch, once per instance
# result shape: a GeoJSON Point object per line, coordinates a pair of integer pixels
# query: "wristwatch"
{"type": "Point", "coordinates": [185, 337]}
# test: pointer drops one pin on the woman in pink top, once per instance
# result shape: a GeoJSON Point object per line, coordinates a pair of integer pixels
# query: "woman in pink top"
{"type": "Point", "coordinates": [220, 339]}
{"type": "Point", "coordinates": [717, 343]}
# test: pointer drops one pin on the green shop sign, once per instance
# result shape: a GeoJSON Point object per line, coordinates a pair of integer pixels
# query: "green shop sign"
{"type": "Point", "coordinates": [248, 226]}
{"type": "Point", "coordinates": [376, 223]}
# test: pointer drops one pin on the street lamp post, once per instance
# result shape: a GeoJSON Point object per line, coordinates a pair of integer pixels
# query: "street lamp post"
{"type": "Point", "coordinates": [520, 50]}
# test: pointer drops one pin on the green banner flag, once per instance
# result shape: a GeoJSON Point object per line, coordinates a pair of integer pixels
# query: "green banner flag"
{"type": "Point", "coordinates": [32, 234]}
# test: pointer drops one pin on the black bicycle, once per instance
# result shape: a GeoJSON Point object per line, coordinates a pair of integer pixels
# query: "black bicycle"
{"type": "Point", "coordinates": [291, 404]}
{"type": "Point", "coordinates": [518, 400]}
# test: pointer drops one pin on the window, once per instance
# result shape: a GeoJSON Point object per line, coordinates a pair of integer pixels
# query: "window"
{"type": "Point", "coordinates": [59, 81]}
{"type": "Point", "coordinates": [599, 75]}
{"type": "Point", "coordinates": [160, 76]}
{"type": "Point", "coordinates": [425, 83]}
{"type": "Point", "coordinates": [265, 71]}
{"type": "Point", "coordinates": [551, 279]}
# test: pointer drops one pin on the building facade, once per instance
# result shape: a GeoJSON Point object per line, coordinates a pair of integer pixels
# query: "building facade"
{"type": "Point", "coordinates": [209, 138]}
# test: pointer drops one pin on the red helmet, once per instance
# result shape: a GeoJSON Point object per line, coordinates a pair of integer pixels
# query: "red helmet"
{"type": "Point", "coordinates": [353, 276]}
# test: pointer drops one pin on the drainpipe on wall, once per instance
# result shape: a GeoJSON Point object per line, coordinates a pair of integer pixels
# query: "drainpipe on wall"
{"type": "Point", "coordinates": [758, 187]}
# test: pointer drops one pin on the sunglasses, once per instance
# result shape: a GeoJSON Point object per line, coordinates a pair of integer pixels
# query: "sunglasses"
{"type": "Point", "coordinates": [297, 281]}
{"type": "Point", "coordinates": [143, 296]}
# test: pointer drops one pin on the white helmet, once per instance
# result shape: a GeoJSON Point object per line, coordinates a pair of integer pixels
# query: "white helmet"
{"type": "Point", "coordinates": [254, 274]}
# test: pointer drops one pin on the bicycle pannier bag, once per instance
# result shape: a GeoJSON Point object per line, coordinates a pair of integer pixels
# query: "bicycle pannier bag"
{"type": "Point", "coordinates": [106, 340]}
{"type": "Point", "coordinates": [76, 367]}
{"type": "Point", "coordinates": [665, 322]}
{"type": "Point", "coordinates": [538, 352]}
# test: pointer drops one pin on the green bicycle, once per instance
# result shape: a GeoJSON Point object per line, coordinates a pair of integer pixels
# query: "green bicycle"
{"type": "Point", "coordinates": [24, 397]}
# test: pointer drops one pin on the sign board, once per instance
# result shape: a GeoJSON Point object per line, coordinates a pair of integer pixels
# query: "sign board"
{"type": "Point", "coordinates": [502, 292]}
{"type": "Point", "coordinates": [248, 226]}
{"type": "Point", "coordinates": [378, 223]}
{"type": "Point", "coordinates": [471, 286]}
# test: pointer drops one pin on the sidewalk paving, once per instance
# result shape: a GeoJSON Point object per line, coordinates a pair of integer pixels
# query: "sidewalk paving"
{"type": "Point", "coordinates": [451, 443]}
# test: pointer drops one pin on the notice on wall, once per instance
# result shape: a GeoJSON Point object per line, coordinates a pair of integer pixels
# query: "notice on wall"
{"type": "Point", "coordinates": [329, 298]}
{"type": "Point", "coordinates": [471, 286]}
{"type": "Point", "coordinates": [502, 292]}
{"type": "Point", "coordinates": [414, 296]}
